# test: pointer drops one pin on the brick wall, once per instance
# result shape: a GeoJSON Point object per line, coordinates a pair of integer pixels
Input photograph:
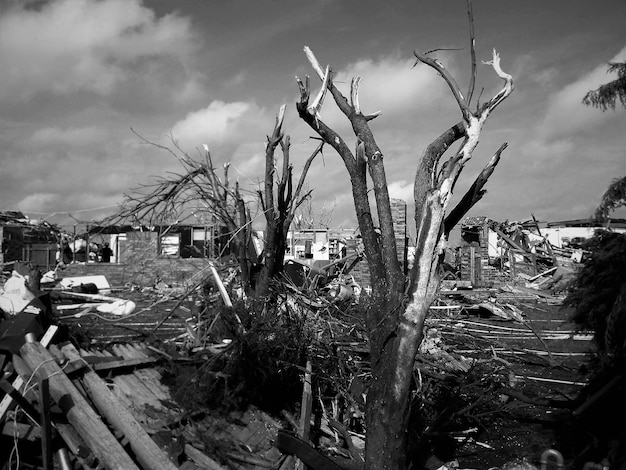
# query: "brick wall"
{"type": "Point", "coordinates": [140, 264]}
{"type": "Point", "coordinates": [478, 269]}
{"type": "Point", "coordinates": [398, 212]}
{"type": "Point", "coordinates": [361, 271]}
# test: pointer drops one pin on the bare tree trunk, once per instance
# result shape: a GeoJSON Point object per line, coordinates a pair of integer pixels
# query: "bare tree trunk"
{"type": "Point", "coordinates": [279, 202]}
{"type": "Point", "coordinates": [244, 241]}
{"type": "Point", "coordinates": [395, 319]}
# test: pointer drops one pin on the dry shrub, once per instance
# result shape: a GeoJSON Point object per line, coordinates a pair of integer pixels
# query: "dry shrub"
{"type": "Point", "coordinates": [262, 366]}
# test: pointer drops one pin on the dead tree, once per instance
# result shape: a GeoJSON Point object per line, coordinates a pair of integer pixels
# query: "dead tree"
{"type": "Point", "coordinates": [279, 201]}
{"type": "Point", "coordinates": [199, 189]}
{"type": "Point", "coordinates": [196, 191]}
{"type": "Point", "coordinates": [395, 318]}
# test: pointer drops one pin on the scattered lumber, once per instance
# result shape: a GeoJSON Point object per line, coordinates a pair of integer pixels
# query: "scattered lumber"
{"type": "Point", "coordinates": [201, 459]}
{"type": "Point", "coordinates": [80, 415]}
{"type": "Point", "coordinates": [148, 453]}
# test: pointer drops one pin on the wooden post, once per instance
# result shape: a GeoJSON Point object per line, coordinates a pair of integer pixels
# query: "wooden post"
{"type": "Point", "coordinates": [80, 415]}
{"type": "Point", "coordinates": [150, 456]}
{"type": "Point", "coordinates": [46, 424]}
{"type": "Point", "coordinates": [202, 459]}
{"type": "Point", "coordinates": [304, 427]}
{"type": "Point", "coordinates": [220, 285]}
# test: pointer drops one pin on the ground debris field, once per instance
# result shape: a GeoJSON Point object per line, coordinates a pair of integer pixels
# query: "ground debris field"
{"type": "Point", "coordinates": [517, 382]}
{"type": "Point", "coordinates": [497, 381]}
{"type": "Point", "coordinates": [528, 378]}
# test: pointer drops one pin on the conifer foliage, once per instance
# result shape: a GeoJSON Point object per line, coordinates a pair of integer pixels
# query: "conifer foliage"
{"type": "Point", "coordinates": [598, 296]}
{"type": "Point", "coordinates": [606, 96]}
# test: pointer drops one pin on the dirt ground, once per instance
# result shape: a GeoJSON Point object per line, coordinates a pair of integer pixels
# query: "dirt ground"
{"type": "Point", "coordinates": [551, 369]}
{"type": "Point", "coordinates": [544, 365]}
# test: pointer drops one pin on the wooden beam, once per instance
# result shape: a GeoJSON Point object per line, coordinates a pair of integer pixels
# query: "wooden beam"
{"type": "Point", "coordinates": [220, 285]}
{"type": "Point", "coordinates": [80, 415]}
{"type": "Point", "coordinates": [150, 456]}
{"type": "Point", "coordinates": [46, 424]}
{"type": "Point", "coordinates": [304, 427]}
{"type": "Point", "coordinates": [201, 459]}
{"type": "Point", "coordinates": [508, 239]}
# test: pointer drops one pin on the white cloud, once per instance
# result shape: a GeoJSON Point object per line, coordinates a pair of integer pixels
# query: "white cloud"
{"type": "Point", "coordinates": [567, 133]}
{"type": "Point", "coordinates": [38, 202]}
{"type": "Point", "coordinates": [547, 153]}
{"type": "Point", "coordinates": [390, 84]}
{"type": "Point", "coordinates": [567, 116]}
{"type": "Point", "coordinates": [393, 83]}
{"type": "Point", "coordinates": [401, 190]}
{"type": "Point", "coordinates": [219, 123]}
{"type": "Point", "coordinates": [72, 136]}
{"type": "Point", "coordinates": [71, 45]}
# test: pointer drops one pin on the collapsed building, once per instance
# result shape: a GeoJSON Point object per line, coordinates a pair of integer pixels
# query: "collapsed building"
{"type": "Point", "coordinates": [27, 240]}
{"type": "Point", "coordinates": [125, 366]}
{"type": "Point", "coordinates": [491, 253]}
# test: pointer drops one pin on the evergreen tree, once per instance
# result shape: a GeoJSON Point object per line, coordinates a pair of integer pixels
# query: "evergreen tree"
{"type": "Point", "coordinates": [605, 96]}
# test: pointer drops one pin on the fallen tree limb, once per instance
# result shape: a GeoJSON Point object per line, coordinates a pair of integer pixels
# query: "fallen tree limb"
{"type": "Point", "coordinates": [549, 402]}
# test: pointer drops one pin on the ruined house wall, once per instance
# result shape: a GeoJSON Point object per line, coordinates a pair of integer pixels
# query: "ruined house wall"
{"type": "Point", "coordinates": [474, 261]}
{"type": "Point", "coordinates": [399, 213]}
{"type": "Point", "coordinates": [141, 265]}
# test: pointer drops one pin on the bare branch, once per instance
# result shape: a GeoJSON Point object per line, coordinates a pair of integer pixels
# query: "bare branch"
{"type": "Point", "coordinates": [474, 193]}
{"type": "Point", "coordinates": [354, 93]}
{"type": "Point", "coordinates": [470, 15]}
{"type": "Point", "coordinates": [454, 87]}
{"type": "Point", "coordinates": [426, 177]}
{"type": "Point", "coordinates": [280, 118]}
{"type": "Point", "coordinates": [314, 62]}
{"type": "Point", "coordinates": [507, 88]}
{"type": "Point", "coordinates": [315, 107]}
{"type": "Point", "coordinates": [305, 170]}
{"type": "Point", "coordinates": [354, 99]}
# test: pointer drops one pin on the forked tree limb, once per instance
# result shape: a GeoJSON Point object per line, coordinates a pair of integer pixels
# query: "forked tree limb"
{"type": "Point", "coordinates": [474, 193]}
{"type": "Point", "coordinates": [449, 79]}
{"type": "Point", "coordinates": [470, 91]}
{"type": "Point", "coordinates": [386, 246]}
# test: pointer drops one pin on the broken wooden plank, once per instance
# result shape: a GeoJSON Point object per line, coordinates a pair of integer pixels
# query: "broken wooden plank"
{"type": "Point", "coordinates": [545, 273]}
{"type": "Point", "coordinates": [108, 365]}
{"type": "Point", "coordinates": [304, 427]}
{"type": "Point", "coordinates": [80, 415]}
{"type": "Point", "coordinates": [146, 378]}
{"type": "Point", "coordinates": [120, 391]}
{"type": "Point", "coordinates": [76, 445]}
{"type": "Point", "coordinates": [148, 453]}
{"type": "Point", "coordinates": [220, 285]}
{"type": "Point", "coordinates": [201, 459]}
{"type": "Point", "coordinates": [134, 390]}
{"type": "Point", "coordinates": [528, 290]}
{"type": "Point", "coordinates": [549, 380]}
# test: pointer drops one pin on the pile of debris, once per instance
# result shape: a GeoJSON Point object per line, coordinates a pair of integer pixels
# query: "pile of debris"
{"type": "Point", "coordinates": [109, 406]}
{"type": "Point", "coordinates": [215, 381]}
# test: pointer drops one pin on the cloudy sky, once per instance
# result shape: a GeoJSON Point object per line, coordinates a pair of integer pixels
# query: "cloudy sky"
{"type": "Point", "coordinates": [77, 75]}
